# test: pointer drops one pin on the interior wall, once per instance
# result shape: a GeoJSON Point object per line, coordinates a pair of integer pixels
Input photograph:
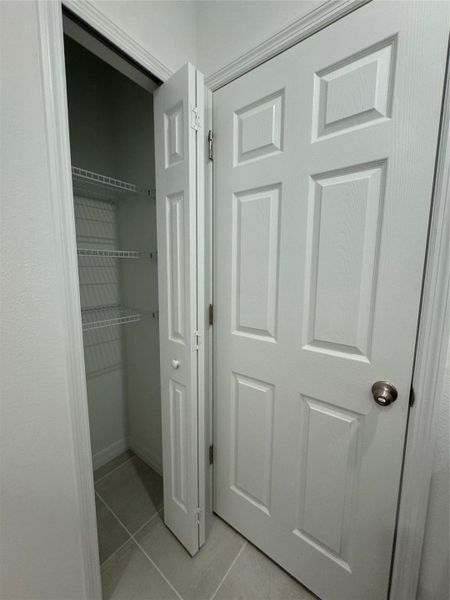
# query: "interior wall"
{"type": "Point", "coordinates": [225, 30]}
{"type": "Point", "coordinates": [168, 30]}
{"type": "Point", "coordinates": [41, 546]}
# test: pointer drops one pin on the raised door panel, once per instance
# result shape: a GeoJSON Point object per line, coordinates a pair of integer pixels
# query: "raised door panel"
{"type": "Point", "coordinates": [176, 267]}
{"type": "Point", "coordinates": [329, 465]}
{"type": "Point", "coordinates": [346, 209]}
{"type": "Point", "coordinates": [178, 445]}
{"type": "Point", "coordinates": [173, 135]}
{"type": "Point", "coordinates": [252, 424]}
{"type": "Point", "coordinates": [258, 129]}
{"type": "Point", "coordinates": [356, 91]}
{"type": "Point", "coordinates": [255, 249]}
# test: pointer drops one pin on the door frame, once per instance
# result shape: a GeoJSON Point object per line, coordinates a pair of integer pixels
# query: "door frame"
{"type": "Point", "coordinates": [431, 351]}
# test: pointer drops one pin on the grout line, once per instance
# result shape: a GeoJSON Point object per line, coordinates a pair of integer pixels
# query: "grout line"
{"type": "Point", "coordinates": [231, 566]}
{"type": "Point", "coordinates": [112, 470]}
{"type": "Point", "coordinates": [158, 512]}
{"type": "Point", "coordinates": [113, 513]}
{"type": "Point", "coordinates": [104, 563]}
{"type": "Point", "coordinates": [140, 547]}
{"type": "Point", "coordinates": [157, 568]}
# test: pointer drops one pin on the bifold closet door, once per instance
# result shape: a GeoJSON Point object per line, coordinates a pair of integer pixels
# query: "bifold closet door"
{"type": "Point", "coordinates": [176, 197]}
{"type": "Point", "coordinates": [323, 179]}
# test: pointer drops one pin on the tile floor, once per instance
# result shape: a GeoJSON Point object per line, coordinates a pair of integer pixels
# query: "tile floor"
{"type": "Point", "coordinates": [142, 560]}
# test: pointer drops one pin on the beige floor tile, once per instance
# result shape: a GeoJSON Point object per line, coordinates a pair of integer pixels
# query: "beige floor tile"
{"type": "Point", "coordinates": [256, 577]}
{"type": "Point", "coordinates": [133, 491]}
{"type": "Point", "coordinates": [195, 578]}
{"type": "Point", "coordinates": [112, 464]}
{"type": "Point", "coordinates": [111, 534]}
{"type": "Point", "coordinates": [129, 575]}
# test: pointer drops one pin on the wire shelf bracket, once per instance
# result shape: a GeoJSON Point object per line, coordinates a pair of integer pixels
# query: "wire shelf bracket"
{"type": "Point", "coordinates": [98, 252]}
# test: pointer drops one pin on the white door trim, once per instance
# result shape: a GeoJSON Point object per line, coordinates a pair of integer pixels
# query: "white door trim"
{"type": "Point", "coordinates": [431, 353]}
{"type": "Point", "coordinates": [91, 15]}
{"type": "Point", "coordinates": [313, 21]}
{"type": "Point", "coordinates": [58, 149]}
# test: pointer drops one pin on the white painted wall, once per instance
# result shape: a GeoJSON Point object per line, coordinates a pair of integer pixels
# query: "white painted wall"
{"type": "Point", "coordinates": [40, 549]}
{"type": "Point", "coordinates": [225, 30]}
{"type": "Point", "coordinates": [166, 29]}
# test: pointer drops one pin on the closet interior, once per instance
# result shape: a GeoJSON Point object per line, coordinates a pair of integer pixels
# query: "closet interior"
{"type": "Point", "coordinates": [113, 170]}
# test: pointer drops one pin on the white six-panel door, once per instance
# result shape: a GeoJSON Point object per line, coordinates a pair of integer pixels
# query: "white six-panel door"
{"type": "Point", "coordinates": [176, 196]}
{"type": "Point", "coordinates": [323, 179]}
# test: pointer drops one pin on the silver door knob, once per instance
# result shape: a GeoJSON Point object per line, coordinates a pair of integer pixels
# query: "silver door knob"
{"type": "Point", "coordinates": [384, 393]}
{"type": "Point", "coordinates": [175, 363]}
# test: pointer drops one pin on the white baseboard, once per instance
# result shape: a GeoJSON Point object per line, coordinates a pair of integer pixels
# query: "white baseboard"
{"type": "Point", "coordinates": [103, 456]}
{"type": "Point", "coordinates": [153, 461]}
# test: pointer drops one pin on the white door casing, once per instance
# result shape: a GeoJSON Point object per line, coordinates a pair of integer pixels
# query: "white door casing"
{"type": "Point", "coordinates": [323, 177]}
{"type": "Point", "coordinates": [176, 197]}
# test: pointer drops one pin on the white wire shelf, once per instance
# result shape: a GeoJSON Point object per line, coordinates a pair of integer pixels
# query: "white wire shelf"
{"type": "Point", "coordinates": [96, 185]}
{"type": "Point", "coordinates": [107, 316]}
{"type": "Point", "coordinates": [114, 253]}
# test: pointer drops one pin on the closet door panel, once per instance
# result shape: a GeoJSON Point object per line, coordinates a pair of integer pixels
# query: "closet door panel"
{"type": "Point", "coordinates": [176, 220]}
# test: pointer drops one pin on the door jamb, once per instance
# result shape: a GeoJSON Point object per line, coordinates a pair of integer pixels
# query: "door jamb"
{"type": "Point", "coordinates": [428, 380]}
{"type": "Point", "coordinates": [58, 149]}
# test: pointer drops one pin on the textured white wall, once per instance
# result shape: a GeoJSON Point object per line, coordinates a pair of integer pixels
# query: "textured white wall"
{"type": "Point", "coordinates": [40, 549]}
{"type": "Point", "coordinates": [165, 29]}
{"type": "Point", "coordinates": [225, 30]}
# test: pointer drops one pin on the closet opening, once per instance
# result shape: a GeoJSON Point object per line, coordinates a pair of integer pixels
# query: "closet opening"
{"type": "Point", "coordinates": [110, 107]}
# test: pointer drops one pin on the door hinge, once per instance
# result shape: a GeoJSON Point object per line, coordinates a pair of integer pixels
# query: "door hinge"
{"type": "Point", "coordinates": [195, 118]}
{"type": "Point", "coordinates": [197, 515]}
{"type": "Point", "coordinates": [211, 455]}
{"type": "Point", "coordinates": [211, 314]}
{"type": "Point", "coordinates": [210, 145]}
{"type": "Point", "coordinates": [196, 336]}
{"type": "Point", "coordinates": [412, 396]}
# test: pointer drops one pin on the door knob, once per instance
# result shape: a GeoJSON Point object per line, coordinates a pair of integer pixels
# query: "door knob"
{"type": "Point", "coordinates": [384, 393]}
{"type": "Point", "coordinates": [175, 363]}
